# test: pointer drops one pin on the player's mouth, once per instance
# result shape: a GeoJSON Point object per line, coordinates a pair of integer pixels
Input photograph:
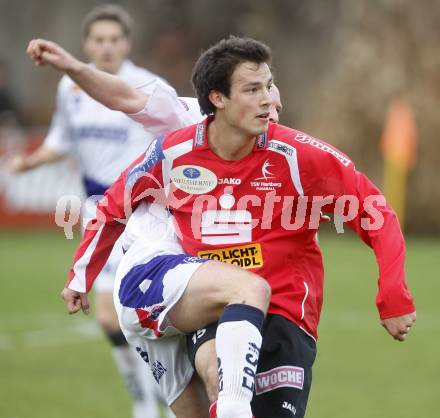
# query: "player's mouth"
{"type": "Point", "coordinates": [264, 116]}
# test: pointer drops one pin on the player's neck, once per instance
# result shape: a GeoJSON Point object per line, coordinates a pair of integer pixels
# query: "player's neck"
{"type": "Point", "coordinates": [228, 142]}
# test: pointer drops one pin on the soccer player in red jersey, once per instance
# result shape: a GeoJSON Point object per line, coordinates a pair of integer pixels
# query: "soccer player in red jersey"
{"type": "Point", "coordinates": [250, 193]}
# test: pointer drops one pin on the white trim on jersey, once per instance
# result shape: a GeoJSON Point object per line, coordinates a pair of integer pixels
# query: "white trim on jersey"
{"type": "Point", "coordinates": [304, 300]}
{"type": "Point", "coordinates": [170, 155]}
{"type": "Point", "coordinates": [280, 148]}
{"type": "Point", "coordinates": [80, 266]}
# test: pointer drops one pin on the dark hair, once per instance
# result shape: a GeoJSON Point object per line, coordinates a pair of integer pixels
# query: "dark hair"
{"type": "Point", "coordinates": [111, 12]}
{"type": "Point", "coordinates": [214, 68]}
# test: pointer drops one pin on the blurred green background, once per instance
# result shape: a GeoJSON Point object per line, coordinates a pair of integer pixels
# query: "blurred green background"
{"type": "Point", "coordinates": [54, 365]}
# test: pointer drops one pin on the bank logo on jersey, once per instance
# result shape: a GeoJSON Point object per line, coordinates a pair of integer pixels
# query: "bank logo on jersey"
{"type": "Point", "coordinates": [226, 226]}
{"type": "Point", "coordinates": [245, 256]}
{"type": "Point", "coordinates": [194, 179]}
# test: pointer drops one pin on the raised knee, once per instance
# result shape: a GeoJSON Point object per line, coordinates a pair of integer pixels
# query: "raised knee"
{"type": "Point", "coordinates": [262, 289]}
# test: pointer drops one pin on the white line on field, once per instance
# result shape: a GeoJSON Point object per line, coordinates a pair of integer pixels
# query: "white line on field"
{"type": "Point", "coordinates": [54, 329]}
{"type": "Point", "coordinates": [67, 334]}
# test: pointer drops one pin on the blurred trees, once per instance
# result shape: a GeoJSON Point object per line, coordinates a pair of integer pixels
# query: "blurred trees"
{"type": "Point", "coordinates": [338, 64]}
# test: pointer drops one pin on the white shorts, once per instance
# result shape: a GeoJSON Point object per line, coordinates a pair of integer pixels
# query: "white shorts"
{"type": "Point", "coordinates": [143, 296]}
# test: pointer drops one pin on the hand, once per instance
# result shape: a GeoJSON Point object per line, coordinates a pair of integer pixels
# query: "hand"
{"type": "Point", "coordinates": [17, 164]}
{"type": "Point", "coordinates": [75, 301]}
{"type": "Point", "coordinates": [399, 326]}
{"type": "Point", "coordinates": [44, 52]}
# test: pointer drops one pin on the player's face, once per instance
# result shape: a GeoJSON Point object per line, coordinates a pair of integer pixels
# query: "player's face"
{"type": "Point", "coordinates": [249, 103]}
{"type": "Point", "coordinates": [276, 106]}
{"type": "Point", "coordinates": [106, 45]}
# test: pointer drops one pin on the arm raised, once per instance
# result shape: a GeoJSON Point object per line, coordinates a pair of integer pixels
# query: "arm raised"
{"type": "Point", "coordinates": [105, 88]}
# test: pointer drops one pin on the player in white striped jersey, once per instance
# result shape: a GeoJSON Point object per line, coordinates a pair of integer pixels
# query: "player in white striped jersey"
{"type": "Point", "coordinates": [159, 110]}
{"type": "Point", "coordinates": [105, 142]}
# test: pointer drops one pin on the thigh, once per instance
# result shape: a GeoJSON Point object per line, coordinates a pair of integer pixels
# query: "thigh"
{"type": "Point", "coordinates": [284, 373]}
{"type": "Point", "coordinates": [214, 285]}
{"type": "Point", "coordinates": [145, 295]}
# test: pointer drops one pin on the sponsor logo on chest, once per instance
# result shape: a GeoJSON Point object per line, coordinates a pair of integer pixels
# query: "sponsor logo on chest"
{"type": "Point", "coordinates": [194, 179]}
{"type": "Point", "coordinates": [245, 256]}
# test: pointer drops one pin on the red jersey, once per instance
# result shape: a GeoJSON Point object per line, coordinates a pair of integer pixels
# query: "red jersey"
{"type": "Point", "coordinates": [261, 212]}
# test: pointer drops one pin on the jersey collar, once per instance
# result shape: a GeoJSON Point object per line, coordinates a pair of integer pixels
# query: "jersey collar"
{"type": "Point", "coordinates": [201, 139]}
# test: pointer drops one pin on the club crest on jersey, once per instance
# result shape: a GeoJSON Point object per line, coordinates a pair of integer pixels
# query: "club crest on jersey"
{"type": "Point", "coordinates": [266, 181]}
{"type": "Point", "coordinates": [265, 171]}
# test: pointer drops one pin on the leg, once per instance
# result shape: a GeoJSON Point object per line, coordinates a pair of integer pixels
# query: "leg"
{"type": "Point", "coordinates": [284, 373]}
{"type": "Point", "coordinates": [188, 293]}
{"type": "Point", "coordinates": [206, 367]}
{"type": "Point", "coordinates": [132, 369]}
{"type": "Point", "coordinates": [192, 403]}
{"type": "Point", "coordinates": [203, 357]}
{"type": "Point", "coordinates": [238, 299]}
{"type": "Point", "coordinates": [212, 287]}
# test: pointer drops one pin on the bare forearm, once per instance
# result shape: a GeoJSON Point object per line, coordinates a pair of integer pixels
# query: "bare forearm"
{"type": "Point", "coordinates": [108, 89]}
{"type": "Point", "coordinates": [41, 156]}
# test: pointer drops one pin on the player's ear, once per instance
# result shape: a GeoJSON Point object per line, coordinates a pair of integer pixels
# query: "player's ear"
{"type": "Point", "coordinates": [217, 99]}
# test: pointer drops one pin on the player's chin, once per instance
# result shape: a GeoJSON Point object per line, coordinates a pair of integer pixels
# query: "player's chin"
{"type": "Point", "coordinates": [260, 127]}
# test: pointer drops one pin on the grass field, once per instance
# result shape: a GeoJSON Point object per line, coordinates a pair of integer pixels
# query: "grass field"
{"type": "Point", "coordinates": [56, 366]}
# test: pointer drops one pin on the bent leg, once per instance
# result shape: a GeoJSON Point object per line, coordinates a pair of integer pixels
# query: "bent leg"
{"type": "Point", "coordinates": [134, 372]}
{"type": "Point", "coordinates": [239, 300]}
{"type": "Point", "coordinates": [212, 287]}
{"type": "Point", "coordinates": [189, 293]}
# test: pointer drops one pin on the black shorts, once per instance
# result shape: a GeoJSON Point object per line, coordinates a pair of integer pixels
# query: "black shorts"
{"type": "Point", "coordinates": [284, 372]}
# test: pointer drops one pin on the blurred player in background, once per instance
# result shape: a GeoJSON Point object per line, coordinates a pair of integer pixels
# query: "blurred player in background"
{"type": "Point", "coordinates": [105, 142]}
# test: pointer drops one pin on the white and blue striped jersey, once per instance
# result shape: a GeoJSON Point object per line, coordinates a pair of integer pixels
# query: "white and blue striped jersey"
{"type": "Point", "coordinates": [105, 141]}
